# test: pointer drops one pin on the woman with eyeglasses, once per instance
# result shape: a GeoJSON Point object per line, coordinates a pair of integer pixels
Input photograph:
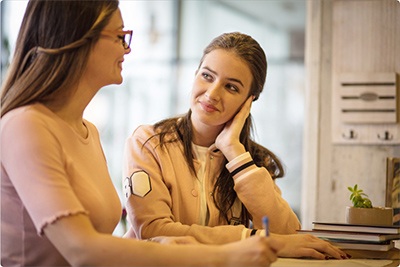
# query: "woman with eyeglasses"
{"type": "Point", "coordinates": [58, 204]}
{"type": "Point", "coordinates": [201, 173]}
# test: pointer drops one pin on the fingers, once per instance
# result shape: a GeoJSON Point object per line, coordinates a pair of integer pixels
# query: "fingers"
{"type": "Point", "coordinates": [230, 135]}
{"type": "Point", "coordinates": [253, 251]}
{"type": "Point", "coordinates": [183, 240]}
{"type": "Point", "coordinates": [328, 249]}
{"type": "Point", "coordinates": [311, 253]}
{"type": "Point", "coordinates": [322, 249]}
{"type": "Point", "coordinates": [272, 246]}
{"type": "Point", "coordinates": [270, 256]}
{"type": "Point", "coordinates": [186, 240]}
{"type": "Point", "coordinates": [245, 109]}
{"type": "Point", "coordinates": [309, 246]}
{"type": "Point", "coordinates": [334, 252]}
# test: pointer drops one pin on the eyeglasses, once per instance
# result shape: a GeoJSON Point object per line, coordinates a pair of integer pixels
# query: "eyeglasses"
{"type": "Point", "coordinates": [124, 36]}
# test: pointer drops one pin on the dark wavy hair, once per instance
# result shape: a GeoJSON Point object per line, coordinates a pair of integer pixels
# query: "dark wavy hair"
{"type": "Point", "coordinates": [250, 51]}
{"type": "Point", "coordinates": [52, 49]}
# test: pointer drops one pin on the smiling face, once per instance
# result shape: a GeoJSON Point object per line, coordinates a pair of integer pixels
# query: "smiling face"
{"type": "Point", "coordinates": [222, 84]}
{"type": "Point", "coordinates": [105, 61]}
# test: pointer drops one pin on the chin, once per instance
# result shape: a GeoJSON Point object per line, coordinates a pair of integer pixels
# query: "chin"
{"type": "Point", "coordinates": [118, 81]}
{"type": "Point", "coordinates": [206, 120]}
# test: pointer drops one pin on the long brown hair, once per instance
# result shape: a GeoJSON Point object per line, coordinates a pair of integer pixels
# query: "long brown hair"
{"type": "Point", "coordinates": [52, 49]}
{"type": "Point", "coordinates": [250, 51]}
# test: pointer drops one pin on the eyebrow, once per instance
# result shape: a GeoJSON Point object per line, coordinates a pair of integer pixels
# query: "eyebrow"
{"type": "Point", "coordinates": [120, 28]}
{"type": "Point", "coordinates": [230, 79]}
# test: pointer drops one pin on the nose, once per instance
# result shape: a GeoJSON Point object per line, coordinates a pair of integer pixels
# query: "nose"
{"type": "Point", "coordinates": [127, 51]}
{"type": "Point", "coordinates": [213, 92]}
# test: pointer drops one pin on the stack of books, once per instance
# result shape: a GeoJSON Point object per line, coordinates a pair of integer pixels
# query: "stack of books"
{"type": "Point", "coordinates": [356, 237]}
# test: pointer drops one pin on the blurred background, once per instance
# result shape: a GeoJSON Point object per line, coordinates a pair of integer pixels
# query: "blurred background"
{"type": "Point", "coordinates": [167, 44]}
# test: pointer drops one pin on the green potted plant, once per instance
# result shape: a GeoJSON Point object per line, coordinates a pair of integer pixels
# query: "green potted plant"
{"type": "Point", "coordinates": [363, 212]}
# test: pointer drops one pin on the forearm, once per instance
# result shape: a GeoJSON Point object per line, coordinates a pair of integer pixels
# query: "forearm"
{"type": "Point", "coordinates": [258, 192]}
{"type": "Point", "coordinates": [265, 201]}
{"type": "Point", "coordinates": [81, 245]}
{"type": "Point", "coordinates": [156, 226]}
{"type": "Point", "coordinates": [115, 251]}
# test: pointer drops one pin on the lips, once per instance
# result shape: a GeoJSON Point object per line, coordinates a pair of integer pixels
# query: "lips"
{"type": "Point", "coordinates": [120, 63]}
{"type": "Point", "coordinates": [207, 107]}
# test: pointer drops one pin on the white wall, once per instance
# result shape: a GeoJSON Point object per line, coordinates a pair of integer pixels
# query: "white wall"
{"type": "Point", "coordinates": [330, 168]}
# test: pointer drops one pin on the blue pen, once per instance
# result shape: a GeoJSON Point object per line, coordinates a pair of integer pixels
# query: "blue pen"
{"type": "Point", "coordinates": [265, 222]}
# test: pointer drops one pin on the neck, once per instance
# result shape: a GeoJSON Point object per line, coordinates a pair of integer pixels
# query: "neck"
{"type": "Point", "coordinates": [72, 116]}
{"type": "Point", "coordinates": [71, 109]}
{"type": "Point", "coordinates": [204, 135]}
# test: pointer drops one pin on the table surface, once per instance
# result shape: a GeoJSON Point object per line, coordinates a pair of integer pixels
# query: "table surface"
{"type": "Point", "coordinates": [288, 262]}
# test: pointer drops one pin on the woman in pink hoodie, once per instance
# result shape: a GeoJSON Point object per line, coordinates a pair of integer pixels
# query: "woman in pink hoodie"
{"type": "Point", "coordinates": [201, 174]}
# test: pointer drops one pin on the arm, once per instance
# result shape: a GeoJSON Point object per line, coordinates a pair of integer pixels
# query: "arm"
{"type": "Point", "coordinates": [170, 208]}
{"type": "Point", "coordinates": [254, 186]}
{"type": "Point", "coordinates": [261, 196]}
{"type": "Point", "coordinates": [81, 245]}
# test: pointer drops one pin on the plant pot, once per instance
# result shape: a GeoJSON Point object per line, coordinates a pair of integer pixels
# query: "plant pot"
{"type": "Point", "coordinates": [370, 216]}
